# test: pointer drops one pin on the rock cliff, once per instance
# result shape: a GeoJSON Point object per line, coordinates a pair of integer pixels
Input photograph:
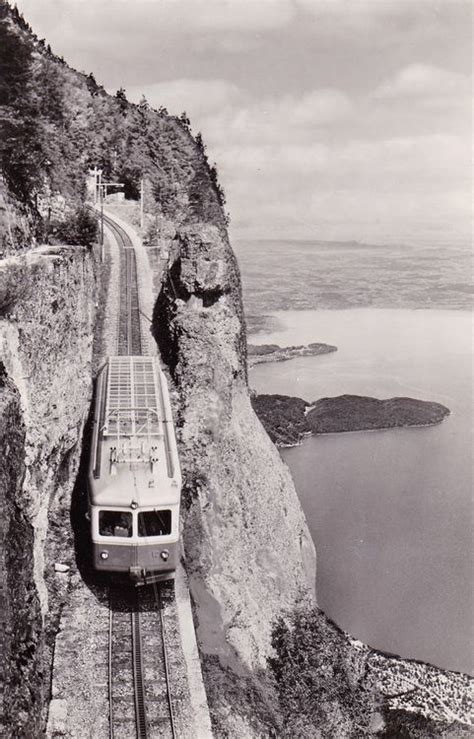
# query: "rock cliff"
{"type": "Point", "coordinates": [249, 554]}
{"type": "Point", "coordinates": [46, 321]}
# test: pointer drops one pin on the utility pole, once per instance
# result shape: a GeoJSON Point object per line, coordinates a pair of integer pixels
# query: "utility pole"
{"type": "Point", "coordinates": [101, 195]}
{"type": "Point", "coordinates": [102, 187]}
{"type": "Point", "coordinates": [96, 174]}
{"type": "Point", "coordinates": [141, 203]}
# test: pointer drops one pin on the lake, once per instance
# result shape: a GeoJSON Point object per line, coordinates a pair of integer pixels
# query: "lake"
{"type": "Point", "coordinates": [390, 511]}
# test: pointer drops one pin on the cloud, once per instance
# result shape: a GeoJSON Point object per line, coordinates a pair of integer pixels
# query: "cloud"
{"type": "Point", "coordinates": [225, 112]}
{"type": "Point", "coordinates": [234, 15]}
{"type": "Point", "coordinates": [321, 160]}
{"type": "Point", "coordinates": [170, 16]}
{"type": "Point", "coordinates": [321, 106]}
{"type": "Point", "coordinates": [390, 16]}
{"type": "Point", "coordinates": [197, 97]}
{"type": "Point", "coordinates": [388, 188]}
{"type": "Point", "coordinates": [426, 161]}
{"type": "Point", "coordinates": [282, 118]}
{"type": "Point", "coordinates": [422, 81]}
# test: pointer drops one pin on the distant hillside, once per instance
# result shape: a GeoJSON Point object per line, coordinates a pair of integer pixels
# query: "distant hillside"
{"type": "Point", "coordinates": [57, 123]}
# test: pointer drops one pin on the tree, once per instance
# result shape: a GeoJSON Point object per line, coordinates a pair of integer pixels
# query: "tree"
{"type": "Point", "coordinates": [78, 228]}
{"type": "Point", "coordinates": [143, 104]}
{"type": "Point", "coordinates": [21, 140]}
{"type": "Point", "coordinates": [121, 97]}
{"type": "Point", "coordinates": [185, 120]}
{"type": "Point", "coordinates": [219, 190]}
{"type": "Point", "coordinates": [91, 83]}
{"type": "Point", "coordinates": [200, 143]}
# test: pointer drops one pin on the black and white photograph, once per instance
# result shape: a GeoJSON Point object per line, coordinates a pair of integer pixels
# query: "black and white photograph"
{"type": "Point", "coordinates": [236, 369]}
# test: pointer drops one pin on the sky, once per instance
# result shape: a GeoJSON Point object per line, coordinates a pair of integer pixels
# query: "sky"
{"type": "Point", "coordinates": [327, 119]}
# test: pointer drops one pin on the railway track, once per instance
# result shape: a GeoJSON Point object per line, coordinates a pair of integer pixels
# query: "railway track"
{"type": "Point", "coordinates": [129, 336]}
{"type": "Point", "coordinates": [140, 702]}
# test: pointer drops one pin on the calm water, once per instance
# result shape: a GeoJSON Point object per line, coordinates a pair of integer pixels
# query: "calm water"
{"type": "Point", "coordinates": [390, 511]}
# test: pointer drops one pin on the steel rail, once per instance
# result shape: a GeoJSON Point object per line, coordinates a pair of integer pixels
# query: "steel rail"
{"type": "Point", "coordinates": [129, 301]}
{"type": "Point", "coordinates": [157, 592]}
{"type": "Point", "coordinates": [110, 676]}
{"type": "Point", "coordinates": [138, 697]}
{"type": "Point", "coordinates": [129, 334]}
{"type": "Point", "coordinates": [138, 682]}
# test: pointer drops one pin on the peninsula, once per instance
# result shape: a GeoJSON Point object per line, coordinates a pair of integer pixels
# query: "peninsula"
{"type": "Point", "coordinates": [287, 420]}
{"type": "Point", "coordinates": [260, 353]}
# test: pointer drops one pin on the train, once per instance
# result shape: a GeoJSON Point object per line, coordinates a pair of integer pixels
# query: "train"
{"type": "Point", "coordinates": [134, 476]}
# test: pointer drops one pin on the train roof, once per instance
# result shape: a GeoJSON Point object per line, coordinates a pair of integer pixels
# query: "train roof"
{"type": "Point", "coordinates": [134, 455]}
{"type": "Point", "coordinates": [132, 399]}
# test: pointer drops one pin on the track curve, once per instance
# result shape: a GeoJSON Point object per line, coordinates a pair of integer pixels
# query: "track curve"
{"type": "Point", "coordinates": [129, 335]}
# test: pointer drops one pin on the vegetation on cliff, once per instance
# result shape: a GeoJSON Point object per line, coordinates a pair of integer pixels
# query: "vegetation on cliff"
{"type": "Point", "coordinates": [330, 685]}
{"type": "Point", "coordinates": [322, 682]}
{"type": "Point", "coordinates": [287, 419]}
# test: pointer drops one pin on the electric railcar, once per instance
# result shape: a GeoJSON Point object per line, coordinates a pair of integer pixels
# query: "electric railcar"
{"type": "Point", "coordinates": [134, 482]}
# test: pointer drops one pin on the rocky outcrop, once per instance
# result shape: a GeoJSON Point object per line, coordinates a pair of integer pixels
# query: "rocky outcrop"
{"type": "Point", "coordinates": [47, 311]}
{"type": "Point", "coordinates": [249, 554]}
{"type": "Point", "coordinates": [288, 420]}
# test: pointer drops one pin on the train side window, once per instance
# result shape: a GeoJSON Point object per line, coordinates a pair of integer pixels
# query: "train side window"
{"type": "Point", "coordinates": [115, 523]}
{"type": "Point", "coordinates": [154, 523]}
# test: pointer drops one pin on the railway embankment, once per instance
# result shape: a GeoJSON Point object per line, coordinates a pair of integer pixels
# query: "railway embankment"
{"type": "Point", "coordinates": [46, 318]}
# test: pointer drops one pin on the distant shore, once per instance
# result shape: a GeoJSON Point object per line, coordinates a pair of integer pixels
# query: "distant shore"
{"type": "Point", "coordinates": [261, 353]}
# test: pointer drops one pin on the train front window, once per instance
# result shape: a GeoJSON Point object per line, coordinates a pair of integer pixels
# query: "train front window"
{"type": "Point", "coordinates": [154, 523]}
{"type": "Point", "coordinates": [115, 523]}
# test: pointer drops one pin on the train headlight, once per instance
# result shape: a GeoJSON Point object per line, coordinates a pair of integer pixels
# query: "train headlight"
{"type": "Point", "coordinates": [165, 554]}
{"type": "Point", "coordinates": [104, 555]}
{"type": "Point", "coordinates": [134, 505]}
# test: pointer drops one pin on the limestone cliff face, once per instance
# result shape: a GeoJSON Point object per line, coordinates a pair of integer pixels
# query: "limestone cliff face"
{"type": "Point", "coordinates": [47, 302]}
{"type": "Point", "coordinates": [15, 226]}
{"type": "Point", "coordinates": [248, 550]}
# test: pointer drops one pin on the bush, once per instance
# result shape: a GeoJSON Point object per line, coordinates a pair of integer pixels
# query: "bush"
{"type": "Point", "coordinates": [80, 228]}
{"type": "Point", "coordinates": [322, 682]}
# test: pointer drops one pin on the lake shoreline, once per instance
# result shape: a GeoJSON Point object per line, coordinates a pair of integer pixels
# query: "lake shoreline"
{"type": "Point", "coordinates": [400, 429]}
